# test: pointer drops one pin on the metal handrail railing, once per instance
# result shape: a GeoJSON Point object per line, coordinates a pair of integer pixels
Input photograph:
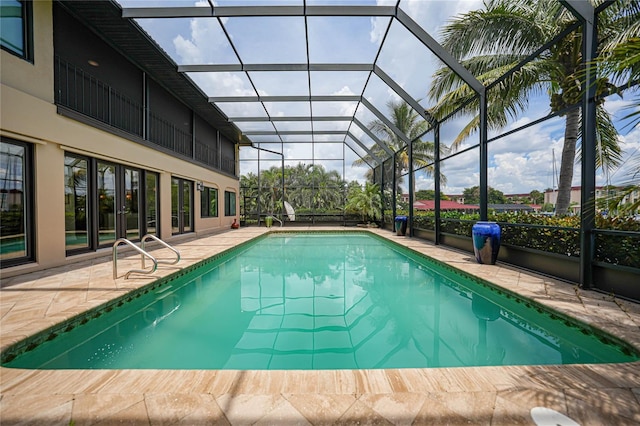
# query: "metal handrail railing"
{"type": "Point", "coordinates": [278, 220]}
{"type": "Point", "coordinates": [139, 250]}
{"type": "Point", "coordinates": [154, 238]}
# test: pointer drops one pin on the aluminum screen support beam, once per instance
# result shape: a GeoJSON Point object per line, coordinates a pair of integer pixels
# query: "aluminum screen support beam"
{"type": "Point", "coordinates": [246, 11]}
{"type": "Point", "coordinates": [291, 118]}
{"type": "Point", "coordinates": [404, 95]}
{"type": "Point", "coordinates": [166, 12]}
{"type": "Point", "coordinates": [581, 9]}
{"type": "Point", "coordinates": [274, 67]}
{"type": "Point", "coordinates": [363, 146]}
{"type": "Point", "coordinates": [386, 121]}
{"type": "Point", "coordinates": [439, 51]}
{"type": "Point", "coordinates": [436, 184]}
{"type": "Point", "coordinates": [329, 98]}
{"type": "Point", "coordinates": [373, 136]}
{"type": "Point", "coordinates": [361, 157]}
{"type": "Point", "coordinates": [294, 132]}
{"type": "Point", "coordinates": [585, 12]}
{"type": "Point", "coordinates": [483, 186]}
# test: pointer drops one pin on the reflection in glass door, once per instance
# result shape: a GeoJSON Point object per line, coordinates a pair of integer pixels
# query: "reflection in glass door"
{"type": "Point", "coordinates": [186, 206]}
{"type": "Point", "coordinates": [151, 206]}
{"type": "Point", "coordinates": [118, 203]}
{"type": "Point", "coordinates": [77, 209]}
{"type": "Point", "coordinates": [16, 238]}
{"type": "Point", "coordinates": [181, 203]}
{"type": "Point", "coordinates": [130, 212]}
{"type": "Point", "coordinates": [107, 203]}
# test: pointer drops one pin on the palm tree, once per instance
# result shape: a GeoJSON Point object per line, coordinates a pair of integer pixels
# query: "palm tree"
{"type": "Point", "coordinates": [271, 189]}
{"type": "Point", "coordinates": [407, 120]}
{"type": "Point", "coordinates": [306, 186]}
{"type": "Point", "coordinates": [492, 41]}
{"type": "Point", "coordinates": [366, 201]}
{"type": "Point", "coordinates": [329, 189]}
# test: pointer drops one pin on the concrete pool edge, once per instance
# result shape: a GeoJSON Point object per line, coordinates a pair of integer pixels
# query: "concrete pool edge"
{"type": "Point", "coordinates": [590, 394]}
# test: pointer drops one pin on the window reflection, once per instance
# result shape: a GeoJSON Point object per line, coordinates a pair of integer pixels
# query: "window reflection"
{"type": "Point", "coordinates": [12, 24]}
{"type": "Point", "coordinates": [13, 215]}
{"type": "Point", "coordinates": [75, 203]}
{"type": "Point", "coordinates": [106, 203]}
{"type": "Point", "coordinates": [152, 203]}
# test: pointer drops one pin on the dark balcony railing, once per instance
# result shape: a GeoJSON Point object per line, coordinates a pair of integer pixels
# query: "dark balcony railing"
{"type": "Point", "coordinates": [84, 93]}
{"type": "Point", "coordinates": [207, 153]}
{"type": "Point", "coordinates": [167, 135]}
{"type": "Point", "coordinates": [228, 165]}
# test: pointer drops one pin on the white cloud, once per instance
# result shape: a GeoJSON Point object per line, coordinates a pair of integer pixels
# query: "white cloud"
{"type": "Point", "coordinates": [628, 170]}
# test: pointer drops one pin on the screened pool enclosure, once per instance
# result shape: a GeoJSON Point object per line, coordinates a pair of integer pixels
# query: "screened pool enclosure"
{"type": "Point", "coordinates": [432, 101]}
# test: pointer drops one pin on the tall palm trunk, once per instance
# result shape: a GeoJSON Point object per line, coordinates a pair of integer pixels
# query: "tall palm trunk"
{"type": "Point", "coordinates": [567, 162]}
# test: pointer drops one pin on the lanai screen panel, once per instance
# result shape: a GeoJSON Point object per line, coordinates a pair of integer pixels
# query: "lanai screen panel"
{"type": "Point", "coordinates": [286, 71]}
{"type": "Point", "coordinates": [316, 71]}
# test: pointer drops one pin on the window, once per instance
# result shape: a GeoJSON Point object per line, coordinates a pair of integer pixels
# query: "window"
{"type": "Point", "coordinates": [229, 203]}
{"type": "Point", "coordinates": [76, 202]}
{"type": "Point", "coordinates": [16, 27]}
{"type": "Point", "coordinates": [209, 202]}
{"type": "Point", "coordinates": [16, 236]}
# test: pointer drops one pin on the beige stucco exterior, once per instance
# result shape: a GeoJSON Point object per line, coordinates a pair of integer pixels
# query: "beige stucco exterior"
{"type": "Point", "coordinates": [28, 113]}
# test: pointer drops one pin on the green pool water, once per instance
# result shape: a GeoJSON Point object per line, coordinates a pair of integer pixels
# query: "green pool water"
{"type": "Point", "coordinates": [320, 301]}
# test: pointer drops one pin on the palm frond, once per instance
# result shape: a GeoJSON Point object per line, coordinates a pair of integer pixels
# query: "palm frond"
{"type": "Point", "coordinates": [505, 25]}
{"type": "Point", "coordinates": [608, 151]}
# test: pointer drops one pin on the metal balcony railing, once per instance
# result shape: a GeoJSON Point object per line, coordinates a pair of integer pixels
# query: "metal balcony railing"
{"type": "Point", "coordinates": [84, 93]}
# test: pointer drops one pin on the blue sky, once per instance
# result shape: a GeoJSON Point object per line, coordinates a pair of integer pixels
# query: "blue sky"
{"type": "Point", "coordinates": [519, 163]}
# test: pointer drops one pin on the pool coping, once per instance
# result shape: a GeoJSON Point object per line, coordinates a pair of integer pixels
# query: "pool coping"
{"type": "Point", "coordinates": [571, 384]}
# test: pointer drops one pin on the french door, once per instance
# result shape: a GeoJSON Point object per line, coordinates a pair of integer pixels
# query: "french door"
{"type": "Point", "coordinates": [181, 206]}
{"type": "Point", "coordinates": [119, 203]}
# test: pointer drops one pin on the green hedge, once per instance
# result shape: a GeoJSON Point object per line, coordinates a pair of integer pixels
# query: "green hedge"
{"type": "Point", "coordinates": [560, 235]}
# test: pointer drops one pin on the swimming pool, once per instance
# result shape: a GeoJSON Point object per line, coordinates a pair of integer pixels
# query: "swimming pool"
{"type": "Point", "coordinates": [318, 301]}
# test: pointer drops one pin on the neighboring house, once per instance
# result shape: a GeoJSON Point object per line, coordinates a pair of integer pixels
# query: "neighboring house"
{"type": "Point", "coordinates": [452, 205]}
{"type": "Point", "coordinates": [458, 198]}
{"type": "Point", "coordinates": [602, 193]}
{"type": "Point", "coordinates": [101, 138]}
{"type": "Point", "coordinates": [444, 205]}
{"type": "Point", "coordinates": [551, 197]}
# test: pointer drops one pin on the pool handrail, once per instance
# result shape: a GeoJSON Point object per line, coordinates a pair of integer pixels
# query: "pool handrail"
{"type": "Point", "coordinates": [156, 239]}
{"type": "Point", "coordinates": [278, 220]}
{"type": "Point", "coordinates": [139, 250]}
